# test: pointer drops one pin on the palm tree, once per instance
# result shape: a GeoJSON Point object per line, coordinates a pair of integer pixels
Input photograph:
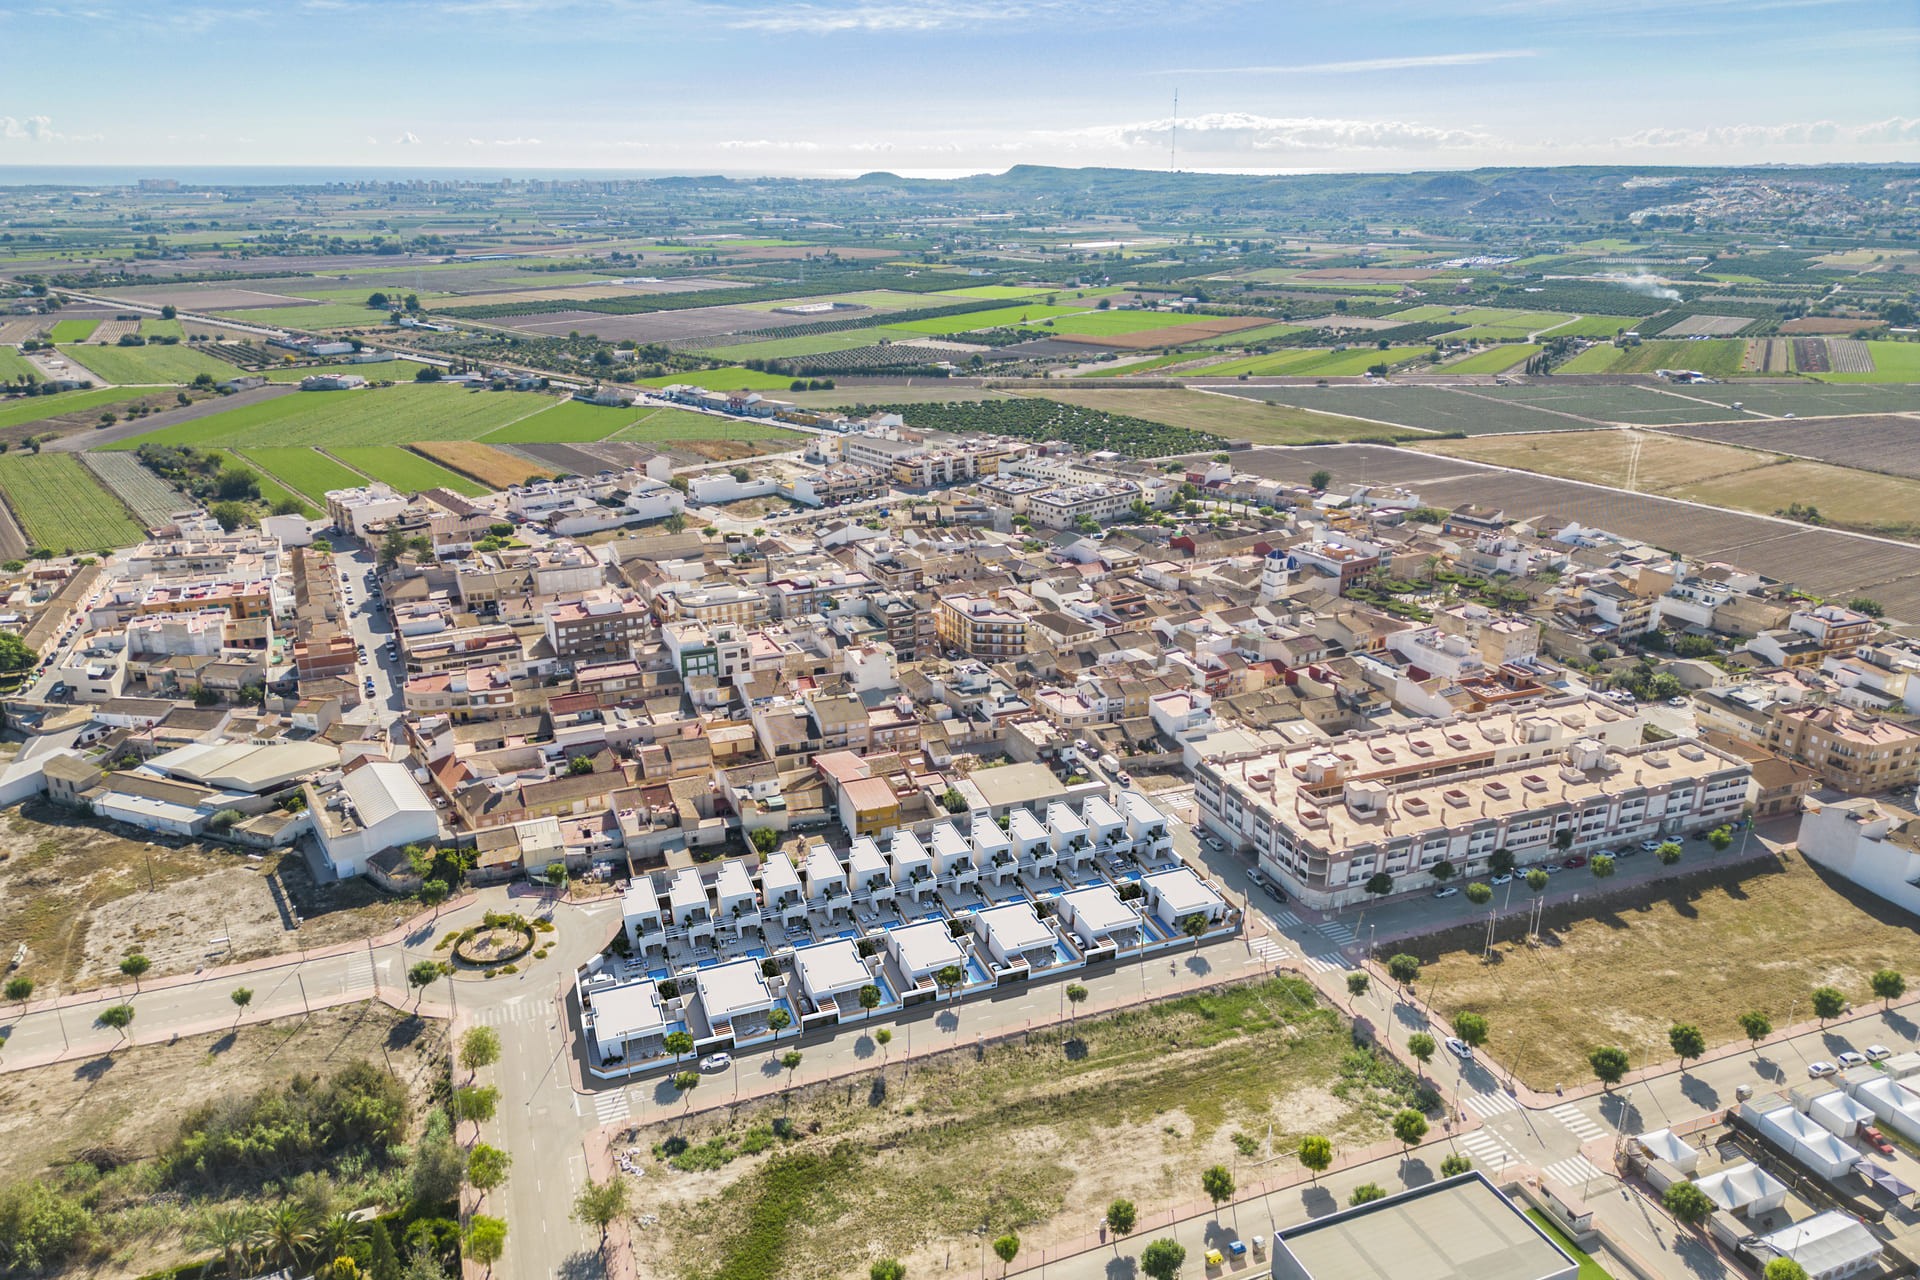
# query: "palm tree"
{"type": "Point", "coordinates": [230, 1233]}
{"type": "Point", "coordinates": [285, 1234]}
{"type": "Point", "coordinates": [337, 1236]}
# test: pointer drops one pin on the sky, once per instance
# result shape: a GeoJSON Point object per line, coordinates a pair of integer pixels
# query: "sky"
{"type": "Point", "coordinates": [936, 87]}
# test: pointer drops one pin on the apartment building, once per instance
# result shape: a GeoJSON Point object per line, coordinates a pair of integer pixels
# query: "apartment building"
{"type": "Point", "coordinates": [1063, 507]}
{"type": "Point", "coordinates": [1324, 818]}
{"type": "Point", "coordinates": [239, 599]}
{"type": "Point", "coordinates": [356, 509]}
{"type": "Point", "coordinates": [721, 603]}
{"type": "Point", "coordinates": [980, 627]}
{"type": "Point", "coordinates": [602, 623]}
{"type": "Point", "coordinates": [1853, 751]}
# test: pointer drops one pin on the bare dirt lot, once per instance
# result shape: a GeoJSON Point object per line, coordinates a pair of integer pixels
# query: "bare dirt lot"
{"type": "Point", "coordinates": [1703, 949]}
{"type": "Point", "coordinates": [82, 897]}
{"type": "Point", "coordinates": [1035, 1135]}
{"type": "Point", "coordinates": [1888, 442]}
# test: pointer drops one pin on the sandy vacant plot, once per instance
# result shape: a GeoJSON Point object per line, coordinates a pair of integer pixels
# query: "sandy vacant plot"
{"type": "Point", "coordinates": [1703, 471]}
{"type": "Point", "coordinates": [1702, 949]}
{"type": "Point", "coordinates": [1233, 417]}
{"type": "Point", "coordinates": [491, 466]}
{"type": "Point", "coordinates": [81, 897]}
{"type": "Point", "coordinates": [1037, 1136]}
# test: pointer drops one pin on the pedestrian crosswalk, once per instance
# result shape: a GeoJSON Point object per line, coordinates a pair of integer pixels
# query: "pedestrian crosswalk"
{"type": "Point", "coordinates": [1578, 1122]}
{"type": "Point", "coordinates": [1269, 951]}
{"type": "Point", "coordinates": [512, 1012]}
{"type": "Point", "coordinates": [1491, 1153]}
{"type": "Point", "coordinates": [359, 972]}
{"type": "Point", "coordinates": [1489, 1105]}
{"type": "Point", "coordinates": [1285, 919]}
{"type": "Point", "coordinates": [1328, 963]}
{"type": "Point", "coordinates": [1336, 931]}
{"type": "Point", "coordinates": [612, 1108]}
{"type": "Point", "coordinates": [1574, 1171]}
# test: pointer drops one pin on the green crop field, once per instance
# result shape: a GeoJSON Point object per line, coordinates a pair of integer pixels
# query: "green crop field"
{"type": "Point", "coordinates": [389, 415]}
{"type": "Point", "coordinates": [997, 318]}
{"type": "Point", "coordinates": [1595, 359]}
{"type": "Point", "coordinates": [810, 345]}
{"type": "Point", "coordinates": [156, 327]}
{"type": "Point", "coordinates": [1313, 362]}
{"type": "Point", "coordinates": [1246, 337]}
{"type": "Point", "coordinates": [406, 470]}
{"type": "Point", "coordinates": [1149, 365]}
{"type": "Point", "coordinates": [74, 330]}
{"type": "Point", "coordinates": [62, 506]}
{"type": "Point", "coordinates": [1592, 327]}
{"type": "Point", "coordinates": [994, 291]}
{"type": "Point", "coordinates": [1892, 362]}
{"type": "Point", "coordinates": [384, 371]}
{"type": "Point", "coordinates": [731, 379]}
{"type": "Point", "coordinates": [150, 365]}
{"type": "Point", "coordinates": [872, 299]}
{"type": "Point", "coordinates": [1715, 357]}
{"type": "Point", "coordinates": [15, 367]}
{"type": "Point", "coordinates": [568, 422]}
{"type": "Point", "coordinates": [304, 469]}
{"type": "Point", "coordinates": [324, 315]}
{"type": "Point", "coordinates": [664, 426]}
{"type": "Point", "coordinates": [15, 412]}
{"type": "Point", "coordinates": [1100, 324]}
{"type": "Point", "coordinates": [271, 490]}
{"type": "Point", "coordinates": [1494, 360]}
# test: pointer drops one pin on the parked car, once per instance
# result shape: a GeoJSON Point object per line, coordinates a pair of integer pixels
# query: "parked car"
{"type": "Point", "coordinates": [1506, 879]}
{"type": "Point", "coordinates": [716, 1062]}
{"type": "Point", "coordinates": [1460, 1048]}
{"type": "Point", "coordinates": [1878, 1053]}
{"type": "Point", "coordinates": [1626, 851]}
{"type": "Point", "coordinates": [1447, 892]}
{"type": "Point", "coordinates": [1651, 845]}
{"type": "Point", "coordinates": [1552, 867]}
{"type": "Point", "coordinates": [1851, 1059]}
{"type": "Point", "coordinates": [1821, 1068]}
{"type": "Point", "coordinates": [1875, 1139]}
{"type": "Point", "coordinates": [1577, 861]}
{"type": "Point", "coordinates": [1257, 880]}
{"type": "Point", "coordinates": [1677, 702]}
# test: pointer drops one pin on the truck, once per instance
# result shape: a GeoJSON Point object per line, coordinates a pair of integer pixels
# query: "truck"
{"type": "Point", "coordinates": [1108, 763]}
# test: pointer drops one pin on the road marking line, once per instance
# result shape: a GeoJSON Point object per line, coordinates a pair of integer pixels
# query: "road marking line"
{"type": "Point", "coordinates": [1578, 1122]}
{"type": "Point", "coordinates": [1490, 1104]}
{"type": "Point", "coordinates": [1574, 1171]}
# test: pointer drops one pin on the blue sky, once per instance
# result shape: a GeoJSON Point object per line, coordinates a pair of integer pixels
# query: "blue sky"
{"type": "Point", "coordinates": [942, 86]}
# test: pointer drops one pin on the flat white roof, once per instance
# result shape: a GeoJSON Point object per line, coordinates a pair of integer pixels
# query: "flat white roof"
{"type": "Point", "coordinates": [822, 865]}
{"type": "Point", "coordinates": [829, 968]}
{"type": "Point", "coordinates": [1014, 928]}
{"type": "Point", "coordinates": [1026, 826]}
{"type": "Point", "coordinates": [776, 875]}
{"type": "Point", "coordinates": [907, 850]}
{"type": "Point", "coordinates": [628, 1010]}
{"type": "Point", "coordinates": [640, 899]}
{"type": "Point", "coordinates": [1100, 909]}
{"type": "Point", "coordinates": [733, 881]}
{"type": "Point", "coordinates": [1062, 819]}
{"type": "Point", "coordinates": [1183, 891]}
{"type": "Point", "coordinates": [729, 990]}
{"type": "Point", "coordinates": [988, 837]}
{"type": "Point", "coordinates": [925, 947]}
{"type": "Point", "coordinates": [864, 859]}
{"type": "Point", "coordinates": [687, 890]}
{"type": "Point", "coordinates": [1139, 807]}
{"type": "Point", "coordinates": [1097, 812]}
{"type": "Point", "coordinates": [949, 843]}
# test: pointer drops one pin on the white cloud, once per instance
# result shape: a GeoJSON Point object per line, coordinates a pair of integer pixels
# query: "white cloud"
{"type": "Point", "coordinates": [407, 138]}
{"type": "Point", "coordinates": [516, 142]}
{"type": "Point", "coordinates": [766, 144]}
{"type": "Point", "coordinates": [1362, 65]}
{"type": "Point", "coordinates": [1896, 130]}
{"type": "Point", "coordinates": [910, 15]}
{"type": "Point", "coordinates": [1242, 131]}
{"type": "Point", "coordinates": [39, 129]}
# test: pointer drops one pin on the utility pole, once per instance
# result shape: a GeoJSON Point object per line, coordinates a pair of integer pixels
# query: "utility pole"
{"type": "Point", "coordinates": [1173, 136]}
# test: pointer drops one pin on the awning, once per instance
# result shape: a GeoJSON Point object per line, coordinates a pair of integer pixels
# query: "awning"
{"type": "Point", "coordinates": [1884, 1180]}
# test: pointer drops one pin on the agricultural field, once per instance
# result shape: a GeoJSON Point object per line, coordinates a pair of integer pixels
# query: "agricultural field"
{"type": "Point", "coordinates": [1888, 443]}
{"type": "Point", "coordinates": [1149, 365]}
{"type": "Point", "coordinates": [733, 379]}
{"type": "Point", "coordinates": [1650, 405]}
{"type": "Point", "coordinates": [491, 467]}
{"type": "Point", "coordinates": [1622, 973]}
{"type": "Point", "coordinates": [1494, 322]}
{"type": "Point", "coordinates": [152, 365]}
{"type": "Point", "coordinates": [321, 315]}
{"type": "Point", "coordinates": [405, 470]}
{"type": "Point", "coordinates": [303, 469]}
{"type": "Point", "coordinates": [1591, 327]}
{"type": "Point", "coordinates": [1315, 363]}
{"type": "Point", "coordinates": [74, 330]}
{"type": "Point", "coordinates": [1811, 399]}
{"type": "Point", "coordinates": [392, 415]}
{"type": "Point", "coordinates": [1230, 417]}
{"type": "Point", "coordinates": [1100, 324]}
{"type": "Point", "coordinates": [1494, 359]}
{"type": "Point", "coordinates": [1039, 1134]}
{"type": "Point", "coordinates": [666, 425]}
{"type": "Point", "coordinates": [1599, 358]}
{"type": "Point", "coordinates": [1715, 357]}
{"type": "Point", "coordinates": [61, 506]}
{"type": "Point", "coordinates": [1434, 409]}
{"type": "Point", "coordinates": [1001, 317]}
{"type": "Point", "coordinates": [15, 412]}
{"type": "Point", "coordinates": [159, 327]}
{"type": "Point", "coordinates": [995, 291]}
{"type": "Point", "coordinates": [1892, 362]}
{"type": "Point", "coordinates": [150, 498]}
{"type": "Point", "coordinates": [1721, 475]}
{"type": "Point", "coordinates": [809, 345]}
{"type": "Point", "coordinates": [272, 492]}
{"type": "Point", "coordinates": [566, 421]}
{"type": "Point", "coordinates": [1247, 337]}
{"type": "Point", "coordinates": [15, 367]}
